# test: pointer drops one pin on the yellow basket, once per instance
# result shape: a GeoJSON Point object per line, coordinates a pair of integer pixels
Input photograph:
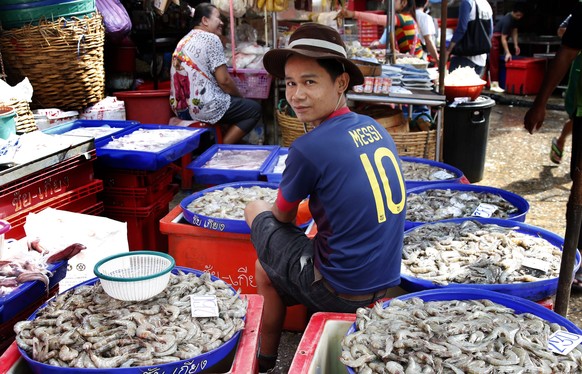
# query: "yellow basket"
{"type": "Point", "coordinates": [416, 144]}
{"type": "Point", "coordinates": [63, 60]}
{"type": "Point", "coordinates": [291, 128]}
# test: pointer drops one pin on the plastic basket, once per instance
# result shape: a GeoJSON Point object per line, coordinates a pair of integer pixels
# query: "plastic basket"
{"type": "Point", "coordinates": [135, 276]}
{"type": "Point", "coordinates": [252, 83]}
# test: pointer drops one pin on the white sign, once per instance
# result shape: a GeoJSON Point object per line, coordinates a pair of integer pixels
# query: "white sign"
{"type": "Point", "coordinates": [563, 342]}
{"type": "Point", "coordinates": [484, 210]}
{"type": "Point", "coordinates": [204, 305]}
{"type": "Point", "coordinates": [443, 175]}
{"type": "Point", "coordinates": [536, 263]}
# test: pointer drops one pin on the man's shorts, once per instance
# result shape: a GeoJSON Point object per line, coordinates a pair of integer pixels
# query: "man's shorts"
{"type": "Point", "coordinates": [286, 254]}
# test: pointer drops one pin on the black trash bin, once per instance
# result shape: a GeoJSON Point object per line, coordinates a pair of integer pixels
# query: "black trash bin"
{"type": "Point", "coordinates": [465, 133]}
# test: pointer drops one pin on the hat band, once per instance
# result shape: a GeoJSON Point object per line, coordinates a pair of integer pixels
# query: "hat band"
{"type": "Point", "coordinates": [318, 43]}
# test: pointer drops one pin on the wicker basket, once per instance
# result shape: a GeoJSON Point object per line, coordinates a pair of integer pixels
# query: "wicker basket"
{"type": "Point", "coordinates": [416, 144]}
{"type": "Point", "coordinates": [24, 118]}
{"type": "Point", "coordinates": [291, 128]}
{"type": "Point", "coordinates": [62, 59]}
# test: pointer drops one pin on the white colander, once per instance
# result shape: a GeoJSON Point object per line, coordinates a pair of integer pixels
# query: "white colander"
{"type": "Point", "coordinates": [135, 276]}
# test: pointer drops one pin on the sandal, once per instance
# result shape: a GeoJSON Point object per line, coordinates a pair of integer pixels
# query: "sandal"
{"type": "Point", "coordinates": [577, 281]}
{"type": "Point", "coordinates": [556, 152]}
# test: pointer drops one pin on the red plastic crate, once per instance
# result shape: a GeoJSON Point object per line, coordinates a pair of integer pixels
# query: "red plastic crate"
{"type": "Point", "coordinates": [524, 76]}
{"type": "Point", "coordinates": [132, 177]}
{"type": "Point", "coordinates": [228, 256]}
{"type": "Point", "coordinates": [52, 181]}
{"type": "Point", "coordinates": [73, 201]}
{"type": "Point", "coordinates": [132, 197]}
{"type": "Point", "coordinates": [242, 361]}
{"type": "Point", "coordinates": [143, 222]}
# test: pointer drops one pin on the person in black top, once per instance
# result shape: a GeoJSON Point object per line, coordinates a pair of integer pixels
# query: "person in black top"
{"type": "Point", "coordinates": [534, 118]}
{"type": "Point", "coordinates": [505, 28]}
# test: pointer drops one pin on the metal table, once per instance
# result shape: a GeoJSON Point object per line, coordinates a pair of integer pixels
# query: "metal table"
{"type": "Point", "coordinates": [427, 98]}
{"type": "Point", "coordinates": [545, 40]}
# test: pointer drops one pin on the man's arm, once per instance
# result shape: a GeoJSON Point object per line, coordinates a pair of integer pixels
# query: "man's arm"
{"type": "Point", "coordinates": [558, 68]}
{"type": "Point", "coordinates": [431, 48]}
{"type": "Point", "coordinates": [514, 37]}
{"type": "Point", "coordinates": [506, 51]}
{"type": "Point", "coordinates": [225, 81]}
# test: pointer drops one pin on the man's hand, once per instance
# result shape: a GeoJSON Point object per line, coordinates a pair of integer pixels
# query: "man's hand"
{"type": "Point", "coordinates": [507, 57]}
{"type": "Point", "coordinates": [375, 44]}
{"type": "Point", "coordinates": [345, 13]}
{"type": "Point", "coordinates": [534, 118]}
{"type": "Point", "coordinates": [517, 50]}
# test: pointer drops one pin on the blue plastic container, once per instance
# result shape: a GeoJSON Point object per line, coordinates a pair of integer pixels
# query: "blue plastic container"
{"type": "Point", "coordinates": [7, 122]}
{"type": "Point", "coordinates": [140, 160]}
{"type": "Point", "coordinates": [519, 202]}
{"type": "Point", "coordinates": [268, 173]}
{"type": "Point", "coordinates": [63, 128]}
{"type": "Point", "coordinates": [29, 292]}
{"type": "Point", "coordinates": [220, 224]}
{"type": "Point", "coordinates": [535, 291]}
{"type": "Point", "coordinates": [456, 175]}
{"type": "Point", "coordinates": [212, 176]}
{"type": "Point", "coordinates": [193, 365]}
{"type": "Point", "coordinates": [518, 304]}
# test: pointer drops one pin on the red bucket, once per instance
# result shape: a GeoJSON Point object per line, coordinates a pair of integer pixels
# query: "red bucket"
{"type": "Point", "coordinates": [147, 106]}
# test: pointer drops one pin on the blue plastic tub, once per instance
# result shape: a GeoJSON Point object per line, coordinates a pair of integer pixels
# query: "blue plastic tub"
{"type": "Point", "coordinates": [28, 292]}
{"type": "Point", "coordinates": [519, 202]}
{"type": "Point", "coordinates": [518, 304]}
{"type": "Point", "coordinates": [535, 291]}
{"type": "Point", "coordinates": [123, 126]}
{"type": "Point", "coordinates": [219, 224]}
{"type": "Point", "coordinates": [455, 175]}
{"type": "Point", "coordinates": [268, 173]}
{"type": "Point", "coordinates": [212, 176]}
{"type": "Point", "coordinates": [193, 365]}
{"type": "Point", "coordinates": [140, 160]}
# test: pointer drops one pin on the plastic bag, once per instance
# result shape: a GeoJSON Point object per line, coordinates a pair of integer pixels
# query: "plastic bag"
{"type": "Point", "coordinates": [115, 18]}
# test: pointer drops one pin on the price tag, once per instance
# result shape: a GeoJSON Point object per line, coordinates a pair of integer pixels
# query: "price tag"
{"type": "Point", "coordinates": [484, 210]}
{"type": "Point", "coordinates": [204, 305]}
{"type": "Point", "coordinates": [563, 342]}
{"type": "Point", "coordinates": [536, 263]}
{"type": "Point", "coordinates": [443, 175]}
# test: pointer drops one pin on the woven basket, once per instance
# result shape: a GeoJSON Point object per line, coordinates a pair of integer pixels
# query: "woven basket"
{"type": "Point", "coordinates": [24, 118]}
{"type": "Point", "coordinates": [63, 60]}
{"type": "Point", "coordinates": [291, 128]}
{"type": "Point", "coordinates": [416, 144]}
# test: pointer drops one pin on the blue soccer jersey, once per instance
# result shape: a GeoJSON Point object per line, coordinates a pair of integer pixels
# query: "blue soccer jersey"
{"type": "Point", "coordinates": [350, 169]}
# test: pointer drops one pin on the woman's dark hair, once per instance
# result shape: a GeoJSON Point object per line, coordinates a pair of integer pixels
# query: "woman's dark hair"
{"type": "Point", "coordinates": [202, 10]}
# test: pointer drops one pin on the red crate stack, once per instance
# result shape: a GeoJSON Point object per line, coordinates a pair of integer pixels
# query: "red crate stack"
{"type": "Point", "coordinates": [369, 32]}
{"type": "Point", "coordinates": [68, 185]}
{"type": "Point", "coordinates": [140, 198]}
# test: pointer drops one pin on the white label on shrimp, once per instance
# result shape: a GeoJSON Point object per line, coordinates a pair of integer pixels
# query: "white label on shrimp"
{"type": "Point", "coordinates": [563, 342]}
{"type": "Point", "coordinates": [484, 210]}
{"type": "Point", "coordinates": [536, 263]}
{"type": "Point", "coordinates": [442, 175]}
{"type": "Point", "coordinates": [204, 305]}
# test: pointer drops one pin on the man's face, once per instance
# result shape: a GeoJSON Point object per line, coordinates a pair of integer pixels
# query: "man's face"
{"type": "Point", "coordinates": [517, 15]}
{"type": "Point", "coordinates": [310, 90]}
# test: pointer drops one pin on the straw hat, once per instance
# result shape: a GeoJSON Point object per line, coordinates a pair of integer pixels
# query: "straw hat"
{"type": "Point", "coordinates": [316, 41]}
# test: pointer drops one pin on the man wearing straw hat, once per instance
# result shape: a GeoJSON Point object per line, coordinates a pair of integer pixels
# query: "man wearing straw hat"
{"type": "Point", "coordinates": [349, 168]}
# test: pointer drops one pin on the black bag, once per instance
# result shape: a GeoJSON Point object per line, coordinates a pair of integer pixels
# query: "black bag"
{"type": "Point", "coordinates": [476, 39]}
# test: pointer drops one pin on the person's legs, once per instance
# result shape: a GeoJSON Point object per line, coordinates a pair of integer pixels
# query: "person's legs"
{"type": "Point", "coordinates": [243, 115]}
{"type": "Point", "coordinates": [576, 153]}
{"type": "Point", "coordinates": [494, 58]}
{"type": "Point", "coordinates": [558, 143]}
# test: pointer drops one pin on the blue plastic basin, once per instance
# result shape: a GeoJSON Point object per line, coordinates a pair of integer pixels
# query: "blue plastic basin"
{"type": "Point", "coordinates": [457, 174]}
{"type": "Point", "coordinates": [535, 291]}
{"type": "Point", "coordinates": [519, 202]}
